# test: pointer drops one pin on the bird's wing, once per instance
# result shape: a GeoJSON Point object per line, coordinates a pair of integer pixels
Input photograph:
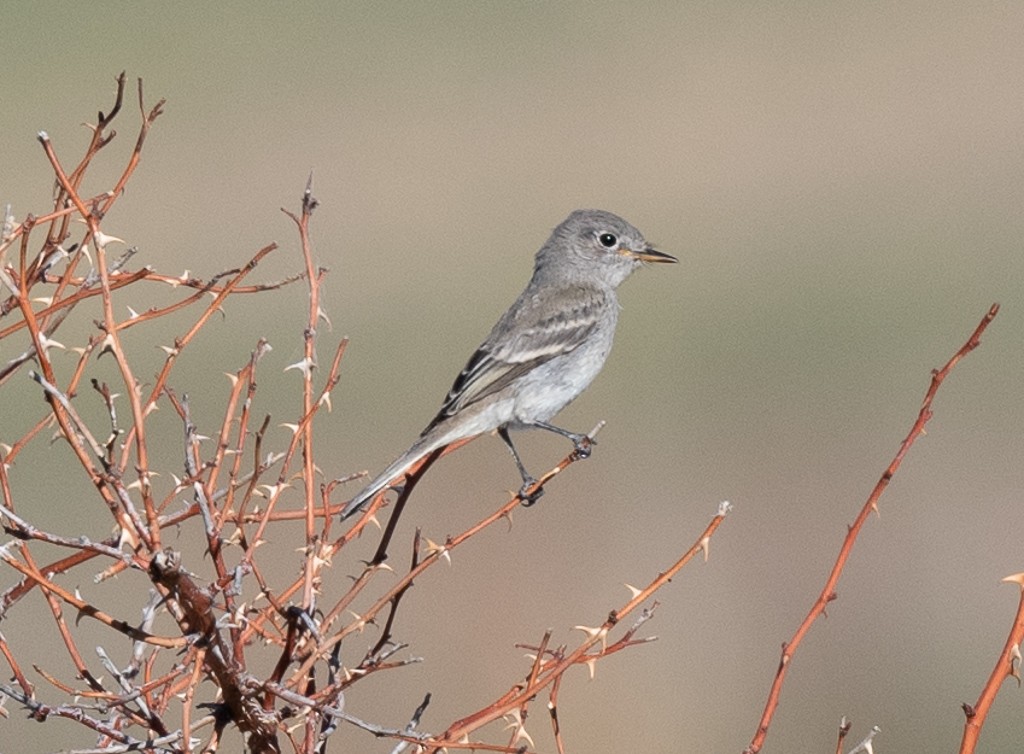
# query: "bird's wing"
{"type": "Point", "coordinates": [532, 332]}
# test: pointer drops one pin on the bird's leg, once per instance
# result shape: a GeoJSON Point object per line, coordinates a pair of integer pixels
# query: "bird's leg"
{"type": "Point", "coordinates": [581, 443]}
{"type": "Point", "coordinates": [529, 498]}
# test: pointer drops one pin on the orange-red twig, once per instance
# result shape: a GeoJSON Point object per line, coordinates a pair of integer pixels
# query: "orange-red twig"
{"type": "Point", "coordinates": [828, 593]}
{"type": "Point", "coordinates": [1007, 665]}
{"type": "Point", "coordinates": [595, 636]}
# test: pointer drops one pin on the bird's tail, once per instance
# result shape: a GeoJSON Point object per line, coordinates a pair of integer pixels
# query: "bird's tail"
{"type": "Point", "coordinates": [406, 461]}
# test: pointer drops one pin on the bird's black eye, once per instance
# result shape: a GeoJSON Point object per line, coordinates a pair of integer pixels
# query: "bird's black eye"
{"type": "Point", "coordinates": [608, 240]}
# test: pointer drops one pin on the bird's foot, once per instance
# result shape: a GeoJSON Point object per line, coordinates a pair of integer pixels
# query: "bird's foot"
{"type": "Point", "coordinates": [583, 445]}
{"type": "Point", "coordinates": [527, 494]}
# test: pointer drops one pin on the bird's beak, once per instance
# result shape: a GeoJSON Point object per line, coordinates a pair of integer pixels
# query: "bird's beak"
{"type": "Point", "coordinates": [651, 255]}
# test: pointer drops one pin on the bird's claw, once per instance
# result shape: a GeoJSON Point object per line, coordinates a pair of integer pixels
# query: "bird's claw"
{"type": "Point", "coordinates": [583, 445]}
{"type": "Point", "coordinates": [526, 495]}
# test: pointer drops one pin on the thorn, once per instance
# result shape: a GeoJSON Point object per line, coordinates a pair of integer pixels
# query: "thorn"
{"type": "Point", "coordinates": [633, 590]}
{"type": "Point", "coordinates": [517, 723]}
{"type": "Point", "coordinates": [593, 633]}
{"type": "Point", "coordinates": [441, 550]}
{"type": "Point", "coordinates": [305, 365]}
{"type": "Point", "coordinates": [360, 621]}
{"type": "Point", "coordinates": [106, 345]}
{"type": "Point", "coordinates": [101, 239]}
{"type": "Point", "coordinates": [1017, 578]}
{"type": "Point", "coordinates": [45, 343]}
{"type": "Point", "coordinates": [865, 745]}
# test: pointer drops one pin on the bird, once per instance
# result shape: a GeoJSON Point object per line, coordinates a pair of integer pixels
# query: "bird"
{"type": "Point", "coordinates": [544, 350]}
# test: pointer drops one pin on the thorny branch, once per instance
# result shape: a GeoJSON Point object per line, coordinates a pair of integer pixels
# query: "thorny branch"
{"type": "Point", "coordinates": [220, 640]}
{"type": "Point", "coordinates": [828, 592]}
{"type": "Point", "coordinates": [1007, 665]}
{"type": "Point", "coordinates": [219, 608]}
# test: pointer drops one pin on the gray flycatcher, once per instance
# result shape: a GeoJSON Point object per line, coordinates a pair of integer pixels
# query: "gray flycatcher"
{"type": "Point", "coordinates": [544, 351]}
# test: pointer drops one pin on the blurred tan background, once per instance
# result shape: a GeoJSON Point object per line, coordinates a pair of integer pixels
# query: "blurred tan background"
{"type": "Point", "coordinates": [843, 186]}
